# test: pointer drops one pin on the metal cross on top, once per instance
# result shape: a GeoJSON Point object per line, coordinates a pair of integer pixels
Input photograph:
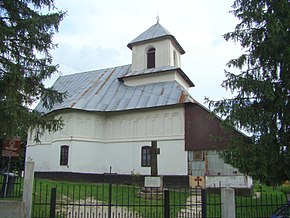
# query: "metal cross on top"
{"type": "Point", "coordinates": [154, 151]}
{"type": "Point", "coordinates": [157, 17]}
{"type": "Point", "coordinates": [198, 180]}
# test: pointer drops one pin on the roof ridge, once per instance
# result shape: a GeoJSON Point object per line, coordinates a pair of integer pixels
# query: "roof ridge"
{"type": "Point", "coordinates": [92, 71]}
{"type": "Point", "coordinates": [155, 31]}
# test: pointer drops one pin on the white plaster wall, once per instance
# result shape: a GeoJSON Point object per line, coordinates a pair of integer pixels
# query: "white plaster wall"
{"type": "Point", "coordinates": [45, 156]}
{"type": "Point", "coordinates": [181, 81]}
{"type": "Point", "coordinates": [98, 141]}
{"type": "Point", "coordinates": [163, 54]}
{"type": "Point", "coordinates": [172, 159]}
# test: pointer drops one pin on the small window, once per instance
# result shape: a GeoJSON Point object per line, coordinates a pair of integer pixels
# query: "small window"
{"type": "Point", "coordinates": [146, 156]}
{"type": "Point", "coordinates": [198, 156]}
{"type": "Point", "coordinates": [151, 58]}
{"type": "Point", "coordinates": [64, 155]}
{"type": "Point", "coordinates": [175, 58]}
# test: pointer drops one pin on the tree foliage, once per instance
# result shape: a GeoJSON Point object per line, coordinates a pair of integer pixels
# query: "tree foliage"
{"type": "Point", "coordinates": [26, 34]}
{"type": "Point", "coordinates": [261, 89]}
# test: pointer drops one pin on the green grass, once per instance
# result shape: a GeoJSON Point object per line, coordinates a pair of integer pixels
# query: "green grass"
{"type": "Point", "coordinates": [263, 203]}
{"type": "Point", "coordinates": [12, 194]}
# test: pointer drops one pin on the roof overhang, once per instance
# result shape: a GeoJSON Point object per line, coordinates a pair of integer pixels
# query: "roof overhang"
{"type": "Point", "coordinates": [171, 37]}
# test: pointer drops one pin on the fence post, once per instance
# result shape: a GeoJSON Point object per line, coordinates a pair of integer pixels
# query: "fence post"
{"type": "Point", "coordinates": [52, 203]}
{"type": "Point", "coordinates": [110, 201]}
{"type": "Point", "coordinates": [28, 187]}
{"type": "Point", "coordinates": [203, 203]}
{"type": "Point", "coordinates": [166, 204]}
{"type": "Point", "coordinates": [228, 203]}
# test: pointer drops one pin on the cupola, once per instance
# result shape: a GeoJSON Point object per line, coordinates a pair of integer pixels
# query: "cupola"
{"type": "Point", "coordinates": [155, 48]}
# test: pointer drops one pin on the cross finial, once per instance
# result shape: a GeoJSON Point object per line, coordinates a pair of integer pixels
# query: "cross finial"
{"type": "Point", "coordinates": [157, 18]}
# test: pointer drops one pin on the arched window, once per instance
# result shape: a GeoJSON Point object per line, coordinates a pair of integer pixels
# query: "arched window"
{"type": "Point", "coordinates": [146, 156]}
{"type": "Point", "coordinates": [64, 149]}
{"type": "Point", "coordinates": [151, 58]}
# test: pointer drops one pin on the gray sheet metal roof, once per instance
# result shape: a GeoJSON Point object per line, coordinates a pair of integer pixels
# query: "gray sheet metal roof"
{"type": "Point", "coordinates": [102, 90]}
{"type": "Point", "coordinates": [155, 32]}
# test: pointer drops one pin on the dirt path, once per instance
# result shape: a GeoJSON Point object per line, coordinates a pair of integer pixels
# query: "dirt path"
{"type": "Point", "coordinates": [90, 208]}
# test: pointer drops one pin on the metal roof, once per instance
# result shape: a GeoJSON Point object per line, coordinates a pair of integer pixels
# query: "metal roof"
{"type": "Point", "coordinates": [102, 90]}
{"type": "Point", "coordinates": [155, 32]}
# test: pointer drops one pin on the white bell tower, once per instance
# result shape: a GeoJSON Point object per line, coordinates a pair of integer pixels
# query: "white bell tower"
{"type": "Point", "coordinates": [156, 59]}
{"type": "Point", "coordinates": [155, 48]}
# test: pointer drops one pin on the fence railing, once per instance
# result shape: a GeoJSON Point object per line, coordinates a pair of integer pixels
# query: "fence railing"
{"type": "Point", "coordinates": [260, 205]}
{"type": "Point", "coordinates": [112, 200]}
{"type": "Point", "coordinates": [11, 185]}
{"type": "Point", "coordinates": [74, 200]}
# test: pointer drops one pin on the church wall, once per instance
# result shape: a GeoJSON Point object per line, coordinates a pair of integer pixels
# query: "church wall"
{"type": "Point", "coordinates": [98, 141]}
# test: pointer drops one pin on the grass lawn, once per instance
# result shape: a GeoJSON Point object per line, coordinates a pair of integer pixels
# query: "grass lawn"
{"type": "Point", "coordinates": [263, 203]}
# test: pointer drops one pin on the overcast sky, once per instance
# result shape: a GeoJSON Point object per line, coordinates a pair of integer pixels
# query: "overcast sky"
{"type": "Point", "coordinates": [95, 33]}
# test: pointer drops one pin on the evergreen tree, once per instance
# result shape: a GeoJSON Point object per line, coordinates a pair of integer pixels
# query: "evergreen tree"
{"type": "Point", "coordinates": [261, 89]}
{"type": "Point", "coordinates": [25, 62]}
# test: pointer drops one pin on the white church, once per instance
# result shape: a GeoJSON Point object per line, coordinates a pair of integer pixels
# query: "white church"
{"type": "Point", "coordinates": [111, 117]}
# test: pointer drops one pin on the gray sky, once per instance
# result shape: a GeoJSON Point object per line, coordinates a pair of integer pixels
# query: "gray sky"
{"type": "Point", "coordinates": [95, 34]}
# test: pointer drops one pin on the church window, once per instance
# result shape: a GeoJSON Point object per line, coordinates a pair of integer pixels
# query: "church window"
{"type": "Point", "coordinates": [175, 58]}
{"type": "Point", "coordinates": [146, 156]}
{"type": "Point", "coordinates": [151, 58]}
{"type": "Point", "coordinates": [64, 149]}
{"type": "Point", "coordinates": [198, 156]}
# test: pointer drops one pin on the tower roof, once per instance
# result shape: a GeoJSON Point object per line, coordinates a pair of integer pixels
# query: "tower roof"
{"type": "Point", "coordinates": [155, 32]}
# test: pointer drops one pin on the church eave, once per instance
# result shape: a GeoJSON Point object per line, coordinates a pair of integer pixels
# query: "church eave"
{"type": "Point", "coordinates": [183, 75]}
{"type": "Point", "coordinates": [171, 37]}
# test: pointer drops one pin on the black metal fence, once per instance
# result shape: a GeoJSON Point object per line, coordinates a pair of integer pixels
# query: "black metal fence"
{"type": "Point", "coordinates": [259, 205]}
{"type": "Point", "coordinates": [111, 201]}
{"type": "Point", "coordinates": [11, 185]}
{"type": "Point", "coordinates": [73, 200]}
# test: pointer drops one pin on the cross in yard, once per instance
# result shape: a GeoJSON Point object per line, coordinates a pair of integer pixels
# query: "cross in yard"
{"type": "Point", "coordinates": [198, 180]}
{"type": "Point", "coordinates": [154, 152]}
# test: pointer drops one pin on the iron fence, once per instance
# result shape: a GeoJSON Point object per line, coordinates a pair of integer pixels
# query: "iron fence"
{"type": "Point", "coordinates": [11, 185]}
{"type": "Point", "coordinates": [259, 205]}
{"type": "Point", "coordinates": [73, 200]}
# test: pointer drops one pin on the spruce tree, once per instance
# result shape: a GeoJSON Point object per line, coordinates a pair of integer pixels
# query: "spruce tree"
{"type": "Point", "coordinates": [26, 31]}
{"type": "Point", "coordinates": [261, 90]}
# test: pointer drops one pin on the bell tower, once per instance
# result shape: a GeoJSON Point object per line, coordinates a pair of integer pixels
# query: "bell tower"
{"type": "Point", "coordinates": [156, 59]}
{"type": "Point", "coordinates": [155, 48]}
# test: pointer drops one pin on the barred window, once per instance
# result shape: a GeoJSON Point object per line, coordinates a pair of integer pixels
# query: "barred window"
{"type": "Point", "coordinates": [146, 156]}
{"type": "Point", "coordinates": [64, 149]}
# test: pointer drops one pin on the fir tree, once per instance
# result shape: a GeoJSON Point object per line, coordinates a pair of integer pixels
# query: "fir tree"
{"type": "Point", "coordinates": [261, 90]}
{"type": "Point", "coordinates": [25, 62]}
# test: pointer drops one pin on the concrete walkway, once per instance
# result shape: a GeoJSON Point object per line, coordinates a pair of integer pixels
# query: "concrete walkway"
{"type": "Point", "coordinates": [193, 207]}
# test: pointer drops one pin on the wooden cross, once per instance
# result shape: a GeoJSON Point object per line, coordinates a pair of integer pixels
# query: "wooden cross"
{"type": "Point", "coordinates": [198, 179]}
{"type": "Point", "coordinates": [154, 151]}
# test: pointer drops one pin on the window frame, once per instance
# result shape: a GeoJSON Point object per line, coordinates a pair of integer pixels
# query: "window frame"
{"type": "Point", "coordinates": [151, 55]}
{"type": "Point", "coordinates": [64, 154]}
{"type": "Point", "coordinates": [146, 156]}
